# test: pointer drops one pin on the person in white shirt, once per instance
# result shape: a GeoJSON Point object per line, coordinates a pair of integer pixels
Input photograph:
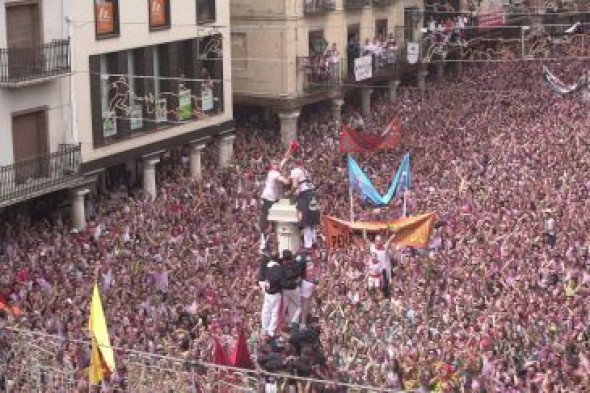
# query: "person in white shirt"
{"type": "Point", "coordinates": [273, 190]}
{"type": "Point", "coordinates": [333, 55]}
{"type": "Point", "coordinates": [379, 252]}
{"type": "Point", "coordinates": [307, 205]}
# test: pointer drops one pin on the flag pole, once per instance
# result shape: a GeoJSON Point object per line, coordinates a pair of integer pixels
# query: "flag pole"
{"type": "Point", "coordinates": [350, 197]}
{"type": "Point", "coordinates": [405, 205]}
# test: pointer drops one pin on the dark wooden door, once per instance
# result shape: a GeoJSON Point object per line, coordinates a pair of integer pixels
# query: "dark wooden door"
{"type": "Point", "coordinates": [23, 35]}
{"type": "Point", "coordinates": [30, 145]}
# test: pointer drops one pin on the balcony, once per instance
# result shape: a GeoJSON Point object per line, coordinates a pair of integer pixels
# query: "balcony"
{"type": "Point", "coordinates": [318, 7]}
{"type": "Point", "coordinates": [355, 4]}
{"type": "Point", "coordinates": [318, 74]}
{"type": "Point", "coordinates": [25, 66]}
{"type": "Point", "coordinates": [36, 176]}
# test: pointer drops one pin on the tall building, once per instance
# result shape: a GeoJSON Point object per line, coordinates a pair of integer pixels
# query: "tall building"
{"type": "Point", "coordinates": [39, 152]}
{"type": "Point", "coordinates": [283, 52]}
{"type": "Point", "coordinates": [90, 89]}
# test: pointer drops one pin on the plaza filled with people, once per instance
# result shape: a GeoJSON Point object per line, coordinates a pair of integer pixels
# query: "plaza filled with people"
{"type": "Point", "coordinates": [497, 303]}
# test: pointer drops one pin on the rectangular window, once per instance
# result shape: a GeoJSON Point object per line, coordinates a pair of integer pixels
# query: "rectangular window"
{"type": "Point", "coordinates": [159, 13]}
{"type": "Point", "coordinates": [239, 50]}
{"type": "Point", "coordinates": [206, 11]}
{"type": "Point", "coordinates": [106, 16]}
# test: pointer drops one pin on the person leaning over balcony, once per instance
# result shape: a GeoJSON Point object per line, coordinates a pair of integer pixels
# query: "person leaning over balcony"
{"type": "Point", "coordinates": [333, 55]}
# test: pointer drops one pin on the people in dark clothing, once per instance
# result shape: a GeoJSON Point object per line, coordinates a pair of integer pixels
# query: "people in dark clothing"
{"type": "Point", "coordinates": [270, 278]}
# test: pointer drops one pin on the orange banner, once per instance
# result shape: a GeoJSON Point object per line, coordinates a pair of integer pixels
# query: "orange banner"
{"type": "Point", "coordinates": [105, 18]}
{"type": "Point", "coordinates": [158, 13]}
{"type": "Point", "coordinates": [411, 231]}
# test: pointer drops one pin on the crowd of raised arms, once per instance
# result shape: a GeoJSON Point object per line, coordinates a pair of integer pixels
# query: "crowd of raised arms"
{"type": "Point", "coordinates": [498, 303]}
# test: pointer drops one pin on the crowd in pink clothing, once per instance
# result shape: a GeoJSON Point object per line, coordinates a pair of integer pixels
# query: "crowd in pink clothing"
{"type": "Point", "coordinates": [498, 303]}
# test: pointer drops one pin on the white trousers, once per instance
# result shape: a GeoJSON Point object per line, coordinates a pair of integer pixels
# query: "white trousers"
{"type": "Point", "coordinates": [292, 300]}
{"type": "Point", "coordinates": [309, 237]}
{"type": "Point", "coordinates": [270, 313]}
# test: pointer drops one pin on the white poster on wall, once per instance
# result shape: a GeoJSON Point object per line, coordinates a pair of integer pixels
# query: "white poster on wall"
{"type": "Point", "coordinates": [207, 98]}
{"type": "Point", "coordinates": [109, 124]}
{"type": "Point", "coordinates": [413, 52]}
{"type": "Point", "coordinates": [161, 111]}
{"type": "Point", "coordinates": [363, 68]}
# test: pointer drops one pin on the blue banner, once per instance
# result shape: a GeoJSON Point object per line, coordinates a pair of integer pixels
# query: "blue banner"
{"type": "Point", "coordinates": [359, 181]}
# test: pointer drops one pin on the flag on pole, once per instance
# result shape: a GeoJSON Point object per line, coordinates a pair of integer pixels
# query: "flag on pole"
{"type": "Point", "coordinates": [102, 360]}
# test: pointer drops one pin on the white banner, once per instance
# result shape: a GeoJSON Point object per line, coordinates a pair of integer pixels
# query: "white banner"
{"type": "Point", "coordinates": [363, 68]}
{"type": "Point", "coordinates": [413, 52]}
{"type": "Point", "coordinates": [207, 98]}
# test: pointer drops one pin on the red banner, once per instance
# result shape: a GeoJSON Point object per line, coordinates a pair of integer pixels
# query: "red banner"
{"type": "Point", "coordinates": [352, 141]}
{"type": "Point", "coordinates": [158, 13]}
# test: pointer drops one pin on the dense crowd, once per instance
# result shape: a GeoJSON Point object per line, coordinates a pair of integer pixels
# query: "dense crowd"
{"type": "Point", "coordinates": [498, 303]}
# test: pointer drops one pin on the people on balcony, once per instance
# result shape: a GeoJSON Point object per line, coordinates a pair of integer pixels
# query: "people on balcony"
{"type": "Point", "coordinates": [383, 50]}
{"type": "Point", "coordinates": [333, 55]}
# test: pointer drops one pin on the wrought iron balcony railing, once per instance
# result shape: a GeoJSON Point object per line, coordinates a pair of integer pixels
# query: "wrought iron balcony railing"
{"type": "Point", "coordinates": [33, 175]}
{"type": "Point", "coordinates": [318, 73]}
{"type": "Point", "coordinates": [314, 7]}
{"type": "Point", "coordinates": [22, 65]}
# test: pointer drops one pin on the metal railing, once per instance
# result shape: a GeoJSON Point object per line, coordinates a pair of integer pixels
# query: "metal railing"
{"type": "Point", "coordinates": [312, 7]}
{"type": "Point", "coordinates": [35, 361]}
{"type": "Point", "coordinates": [384, 63]}
{"type": "Point", "coordinates": [35, 174]}
{"type": "Point", "coordinates": [355, 4]}
{"type": "Point", "coordinates": [19, 65]}
{"type": "Point", "coordinates": [318, 73]}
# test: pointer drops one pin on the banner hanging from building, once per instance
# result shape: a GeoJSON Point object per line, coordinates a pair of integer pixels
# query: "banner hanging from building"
{"type": "Point", "coordinates": [413, 50]}
{"type": "Point", "coordinates": [161, 110]}
{"type": "Point", "coordinates": [363, 68]}
{"type": "Point", "coordinates": [105, 17]}
{"type": "Point", "coordinates": [207, 98]}
{"type": "Point", "coordinates": [158, 13]}
{"type": "Point", "coordinates": [185, 108]}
